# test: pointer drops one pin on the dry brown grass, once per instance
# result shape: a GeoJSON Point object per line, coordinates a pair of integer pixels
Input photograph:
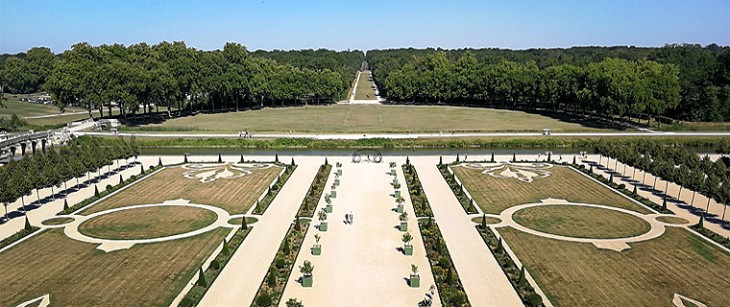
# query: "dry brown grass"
{"type": "Point", "coordinates": [581, 222]}
{"type": "Point", "coordinates": [672, 220]}
{"type": "Point", "coordinates": [496, 194]}
{"type": "Point", "coordinates": [77, 274]}
{"type": "Point", "coordinates": [57, 221]}
{"type": "Point", "coordinates": [577, 274]}
{"type": "Point", "coordinates": [145, 223]}
{"type": "Point", "coordinates": [234, 195]}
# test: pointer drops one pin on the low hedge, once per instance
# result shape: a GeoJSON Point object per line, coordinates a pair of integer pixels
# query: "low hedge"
{"type": "Point", "coordinates": [515, 275]}
{"type": "Point", "coordinates": [264, 204]}
{"type": "Point", "coordinates": [451, 291]}
{"type": "Point", "coordinates": [195, 294]}
{"type": "Point", "coordinates": [17, 236]}
{"type": "Point", "coordinates": [282, 266]}
{"type": "Point", "coordinates": [711, 235]}
{"type": "Point", "coordinates": [315, 191]}
{"type": "Point", "coordinates": [420, 202]}
{"type": "Point", "coordinates": [458, 190]}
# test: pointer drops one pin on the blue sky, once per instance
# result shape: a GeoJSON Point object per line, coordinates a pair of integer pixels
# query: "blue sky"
{"type": "Point", "coordinates": [363, 25]}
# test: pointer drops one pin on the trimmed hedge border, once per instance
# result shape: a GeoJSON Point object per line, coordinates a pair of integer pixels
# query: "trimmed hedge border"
{"type": "Point", "coordinates": [296, 237]}
{"type": "Point", "coordinates": [711, 235]}
{"type": "Point", "coordinates": [17, 236]}
{"type": "Point", "coordinates": [466, 203]}
{"type": "Point", "coordinates": [311, 199]}
{"type": "Point", "coordinates": [421, 206]}
{"type": "Point", "coordinates": [523, 288]}
{"type": "Point", "coordinates": [196, 293]}
{"type": "Point", "coordinates": [451, 293]}
{"type": "Point", "coordinates": [264, 204]}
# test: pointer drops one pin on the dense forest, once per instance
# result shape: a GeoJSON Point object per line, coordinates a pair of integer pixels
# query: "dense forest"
{"type": "Point", "coordinates": [687, 82]}
{"type": "Point", "coordinates": [175, 76]}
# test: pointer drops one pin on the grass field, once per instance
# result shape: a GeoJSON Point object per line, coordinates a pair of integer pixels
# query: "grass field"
{"type": "Point", "coordinates": [367, 119]}
{"type": "Point", "coordinates": [77, 274]}
{"type": "Point", "coordinates": [57, 221]}
{"type": "Point", "coordinates": [365, 87]}
{"type": "Point", "coordinates": [234, 195]}
{"type": "Point", "coordinates": [581, 222]}
{"type": "Point", "coordinates": [648, 274]}
{"type": "Point", "coordinates": [496, 194]}
{"type": "Point", "coordinates": [146, 223]}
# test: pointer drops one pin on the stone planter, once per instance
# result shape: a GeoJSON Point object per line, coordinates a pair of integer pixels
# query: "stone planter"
{"type": "Point", "coordinates": [414, 281]}
{"type": "Point", "coordinates": [323, 226]}
{"type": "Point", "coordinates": [337, 182]}
{"type": "Point", "coordinates": [397, 193]}
{"type": "Point", "coordinates": [339, 172]}
{"type": "Point", "coordinates": [400, 209]}
{"type": "Point", "coordinates": [317, 249]}
{"type": "Point", "coordinates": [333, 194]}
{"type": "Point", "coordinates": [395, 181]}
{"type": "Point", "coordinates": [392, 172]}
{"type": "Point", "coordinates": [328, 208]}
{"type": "Point", "coordinates": [403, 226]}
{"type": "Point", "coordinates": [408, 249]}
{"type": "Point", "coordinates": [307, 281]}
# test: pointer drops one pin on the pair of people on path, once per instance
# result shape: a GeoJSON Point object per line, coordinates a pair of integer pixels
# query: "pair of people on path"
{"type": "Point", "coordinates": [348, 218]}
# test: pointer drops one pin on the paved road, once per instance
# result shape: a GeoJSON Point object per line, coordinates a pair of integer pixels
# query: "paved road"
{"type": "Point", "coordinates": [408, 135]}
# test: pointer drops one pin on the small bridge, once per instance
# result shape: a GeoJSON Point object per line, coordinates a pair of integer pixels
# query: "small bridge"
{"type": "Point", "coordinates": [10, 143]}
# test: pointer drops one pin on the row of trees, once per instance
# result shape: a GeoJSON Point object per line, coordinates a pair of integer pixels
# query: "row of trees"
{"type": "Point", "coordinates": [610, 87]}
{"type": "Point", "coordinates": [54, 168]}
{"type": "Point", "coordinates": [174, 75]}
{"type": "Point", "coordinates": [674, 164]}
{"type": "Point", "coordinates": [698, 78]}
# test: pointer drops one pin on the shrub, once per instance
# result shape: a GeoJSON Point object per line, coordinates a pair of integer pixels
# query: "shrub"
{"type": "Point", "coordinates": [108, 187]}
{"type": "Point", "coordinates": [215, 265]}
{"type": "Point", "coordinates": [264, 299]}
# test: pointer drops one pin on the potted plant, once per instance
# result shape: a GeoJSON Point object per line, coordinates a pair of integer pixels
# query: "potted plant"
{"type": "Point", "coordinates": [403, 221]}
{"type": "Point", "coordinates": [306, 268]}
{"type": "Point", "coordinates": [339, 172]}
{"type": "Point", "coordinates": [397, 193]}
{"type": "Point", "coordinates": [337, 181]}
{"type": "Point", "coordinates": [333, 194]}
{"type": "Point", "coordinates": [400, 208]}
{"type": "Point", "coordinates": [392, 164]}
{"type": "Point", "coordinates": [328, 200]}
{"type": "Point", "coordinates": [415, 280]}
{"type": "Point", "coordinates": [322, 220]}
{"type": "Point", "coordinates": [317, 248]}
{"type": "Point", "coordinates": [407, 247]}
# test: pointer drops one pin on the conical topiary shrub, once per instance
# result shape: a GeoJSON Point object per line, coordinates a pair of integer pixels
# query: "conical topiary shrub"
{"type": "Point", "coordinates": [276, 158]}
{"type": "Point", "coordinates": [185, 159]}
{"type": "Point", "coordinates": [159, 161]}
{"type": "Point", "coordinates": [201, 278]}
{"type": "Point", "coordinates": [220, 158]}
{"type": "Point", "coordinates": [241, 160]}
{"type": "Point", "coordinates": [492, 160]}
{"type": "Point", "coordinates": [664, 204]}
{"type": "Point", "coordinates": [514, 157]}
{"type": "Point", "coordinates": [292, 162]}
{"type": "Point", "coordinates": [441, 160]}
{"type": "Point", "coordinates": [65, 205]}
{"type": "Point", "coordinates": [28, 227]}
{"type": "Point", "coordinates": [96, 191]}
{"type": "Point", "coordinates": [244, 225]}
{"type": "Point", "coordinates": [634, 192]}
{"type": "Point", "coordinates": [121, 179]}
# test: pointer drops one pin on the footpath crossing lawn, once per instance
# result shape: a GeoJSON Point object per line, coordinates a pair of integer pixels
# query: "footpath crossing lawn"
{"type": "Point", "coordinates": [365, 87]}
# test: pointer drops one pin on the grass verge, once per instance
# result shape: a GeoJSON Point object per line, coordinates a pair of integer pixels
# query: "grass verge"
{"type": "Point", "coordinates": [466, 203]}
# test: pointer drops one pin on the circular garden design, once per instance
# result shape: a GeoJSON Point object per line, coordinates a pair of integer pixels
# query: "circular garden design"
{"type": "Point", "coordinates": [147, 222]}
{"type": "Point", "coordinates": [581, 222]}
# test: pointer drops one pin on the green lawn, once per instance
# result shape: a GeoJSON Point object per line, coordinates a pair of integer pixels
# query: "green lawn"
{"type": "Point", "coordinates": [365, 87]}
{"type": "Point", "coordinates": [26, 109]}
{"type": "Point", "coordinates": [581, 222]}
{"type": "Point", "coordinates": [367, 119]}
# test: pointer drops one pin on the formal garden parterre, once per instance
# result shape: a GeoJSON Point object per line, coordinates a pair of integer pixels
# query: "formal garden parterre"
{"type": "Point", "coordinates": [572, 273]}
{"type": "Point", "coordinates": [165, 267]}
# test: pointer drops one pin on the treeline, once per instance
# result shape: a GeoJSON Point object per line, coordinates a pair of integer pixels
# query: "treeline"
{"type": "Point", "coordinates": [175, 76]}
{"type": "Point", "coordinates": [677, 165]}
{"type": "Point", "coordinates": [695, 79]}
{"type": "Point", "coordinates": [54, 168]}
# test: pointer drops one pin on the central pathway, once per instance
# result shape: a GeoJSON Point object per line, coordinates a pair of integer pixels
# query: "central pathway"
{"type": "Point", "coordinates": [238, 283]}
{"type": "Point", "coordinates": [360, 264]}
{"type": "Point", "coordinates": [483, 279]}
